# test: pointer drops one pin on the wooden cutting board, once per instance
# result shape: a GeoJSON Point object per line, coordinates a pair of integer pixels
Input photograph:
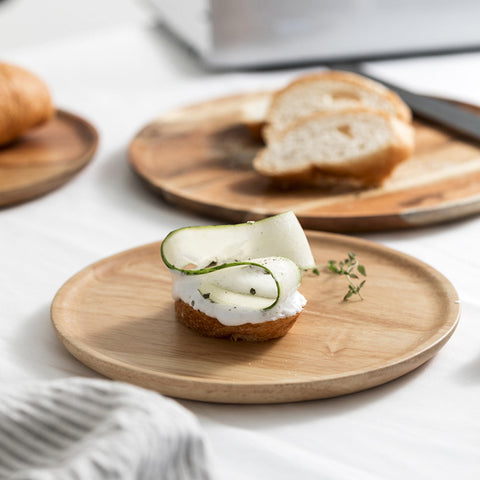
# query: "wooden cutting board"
{"type": "Point", "coordinates": [117, 317]}
{"type": "Point", "coordinates": [199, 158]}
{"type": "Point", "coordinates": [45, 158]}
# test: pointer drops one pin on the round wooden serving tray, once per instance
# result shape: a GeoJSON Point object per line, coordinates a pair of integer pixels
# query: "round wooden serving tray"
{"type": "Point", "coordinates": [199, 158]}
{"type": "Point", "coordinates": [117, 317]}
{"type": "Point", "coordinates": [45, 158]}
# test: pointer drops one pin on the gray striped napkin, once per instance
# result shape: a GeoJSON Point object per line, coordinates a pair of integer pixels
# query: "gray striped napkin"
{"type": "Point", "coordinates": [85, 429]}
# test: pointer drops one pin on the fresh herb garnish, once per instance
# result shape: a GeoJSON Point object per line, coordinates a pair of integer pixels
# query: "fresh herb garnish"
{"type": "Point", "coordinates": [350, 267]}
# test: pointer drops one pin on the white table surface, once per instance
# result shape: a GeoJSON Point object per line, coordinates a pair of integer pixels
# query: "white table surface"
{"type": "Point", "coordinates": [425, 425]}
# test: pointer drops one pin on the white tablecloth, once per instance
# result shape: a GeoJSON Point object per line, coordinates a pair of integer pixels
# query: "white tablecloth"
{"type": "Point", "coordinates": [423, 426]}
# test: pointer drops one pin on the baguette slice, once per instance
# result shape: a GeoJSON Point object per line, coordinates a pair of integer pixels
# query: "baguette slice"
{"type": "Point", "coordinates": [249, 332]}
{"type": "Point", "coordinates": [329, 91]}
{"type": "Point", "coordinates": [359, 144]}
{"type": "Point", "coordinates": [25, 102]}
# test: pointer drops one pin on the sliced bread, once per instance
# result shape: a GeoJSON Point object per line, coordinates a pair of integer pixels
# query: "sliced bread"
{"type": "Point", "coordinates": [329, 91]}
{"type": "Point", "coordinates": [360, 144]}
{"type": "Point", "coordinates": [249, 332]}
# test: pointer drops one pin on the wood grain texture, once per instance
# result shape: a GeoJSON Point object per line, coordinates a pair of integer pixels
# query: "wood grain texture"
{"type": "Point", "coordinates": [117, 317]}
{"type": "Point", "coordinates": [199, 158]}
{"type": "Point", "coordinates": [45, 158]}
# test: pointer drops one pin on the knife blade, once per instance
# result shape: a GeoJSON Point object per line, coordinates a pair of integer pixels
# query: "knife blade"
{"type": "Point", "coordinates": [441, 112]}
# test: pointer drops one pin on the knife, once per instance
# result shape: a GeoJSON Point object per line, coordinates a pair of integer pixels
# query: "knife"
{"type": "Point", "coordinates": [439, 111]}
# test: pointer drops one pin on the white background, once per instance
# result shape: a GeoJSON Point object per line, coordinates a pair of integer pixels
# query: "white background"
{"type": "Point", "coordinates": [106, 61]}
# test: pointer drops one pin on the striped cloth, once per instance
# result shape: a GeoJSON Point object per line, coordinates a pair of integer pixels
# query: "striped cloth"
{"type": "Point", "coordinates": [85, 429]}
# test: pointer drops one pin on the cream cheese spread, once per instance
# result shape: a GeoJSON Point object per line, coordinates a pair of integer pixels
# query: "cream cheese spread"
{"type": "Point", "coordinates": [185, 288]}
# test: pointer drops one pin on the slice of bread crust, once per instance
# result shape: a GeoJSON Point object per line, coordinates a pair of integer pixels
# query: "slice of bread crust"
{"type": "Point", "coordinates": [249, 332]}
{"type": "Point", "coordinates": [329, 91]}
{"type": "Point", "coordinates": [358, 144]}
{"type": "Point", "coordinates": [25, 102]}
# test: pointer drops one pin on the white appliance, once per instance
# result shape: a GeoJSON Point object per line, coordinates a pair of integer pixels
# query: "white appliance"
{"type": "Point", "coordinates": [268, 33]}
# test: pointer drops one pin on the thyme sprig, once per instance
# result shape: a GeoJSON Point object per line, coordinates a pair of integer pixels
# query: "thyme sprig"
{"type": "Point", "coordinates": [351, 268]}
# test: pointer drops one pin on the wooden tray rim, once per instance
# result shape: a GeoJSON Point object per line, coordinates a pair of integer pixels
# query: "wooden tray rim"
{"type": "Point", "coordinates": [412, 217]}
{"type": "Point", "coordinates": [55, 181]}
{"type": "Point", "coordinates": [416, 356]}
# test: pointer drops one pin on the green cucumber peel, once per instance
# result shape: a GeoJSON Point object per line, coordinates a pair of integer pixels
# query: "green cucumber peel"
{"type": "Point", "coordinates": [204, 271]}
{"type": "Point", "coordinates": [274, 239]}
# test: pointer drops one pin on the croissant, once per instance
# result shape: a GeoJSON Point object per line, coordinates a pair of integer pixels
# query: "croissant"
{"type": "Point", "coordinates": [25, 102]}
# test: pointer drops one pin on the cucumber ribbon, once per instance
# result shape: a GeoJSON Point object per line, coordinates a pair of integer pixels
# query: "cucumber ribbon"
{"type": "Point", "coordinates": [253, 265]}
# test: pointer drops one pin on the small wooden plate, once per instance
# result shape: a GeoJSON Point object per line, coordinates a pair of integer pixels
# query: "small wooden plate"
{"type": "Point", "coordinates": [199, 158]}
{"type": "Point", "coordinates": [117, 317]}
{"type": "Point", "coordinates": [45, 158]}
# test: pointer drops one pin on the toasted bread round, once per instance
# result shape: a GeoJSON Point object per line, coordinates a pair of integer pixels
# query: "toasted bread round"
{"type": "Point", "coordinates": [329, 91]}
{"type": "Point", "coordinates": [249, 332]}
{"type": "Point", "coordinates": [25, 102]}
